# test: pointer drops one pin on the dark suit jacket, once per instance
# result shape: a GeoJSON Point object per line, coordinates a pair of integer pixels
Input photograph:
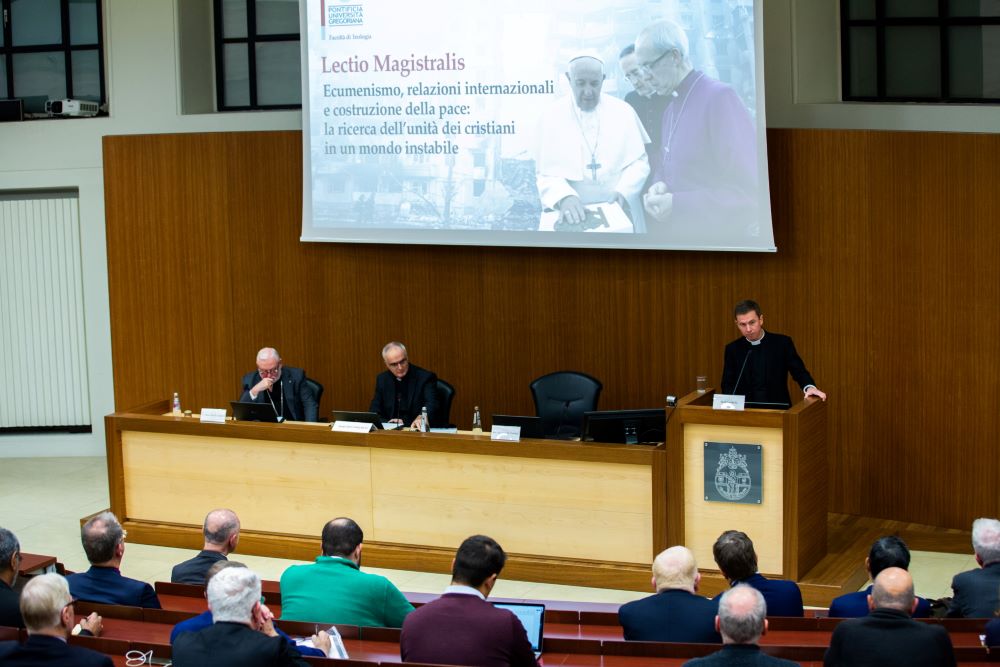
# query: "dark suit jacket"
{"type": "Point", "coordinates": [783, 597]}
{"type": "Point", "coordinates": [993, 632]}
{"type": "Point", "coordinates": [775, 357]}
{"type": "Point", "coordinates": [889, 637]}
{"type": "Point", "coordinates": [107, 585]}
{"type": "Point", "coordinates": [458, 629]}
{"type": "Point", "coordinates": [854, 605]}
{"type": "Point", "coordinates": [671, 616]}
{"type": "Point", "coordinates": [740, 655]}
{"type": "Point", "coordinates": [300, 404]}
{"type": "Point", "coordinates": [193, 571]}
{"type": "Point", "coordinates": [44, 650]}
{"type": "Point", "coordinates": [976, 592]}
{"type": "Point", "coordinates": [421, 390]}
{"type": "Point", "coordinates": [233, 645]}
{"type": "Point", "coordinates": [10, 611]}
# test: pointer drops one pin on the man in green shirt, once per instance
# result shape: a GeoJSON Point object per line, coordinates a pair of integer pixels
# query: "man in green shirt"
{"type": "Point", "coordinates": [335, 590]}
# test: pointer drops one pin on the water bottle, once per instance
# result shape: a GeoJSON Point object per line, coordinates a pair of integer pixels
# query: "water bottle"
{"type": "Point", "coordinates": [477, 422]}
{"type": "Point", "coordinates": [176, 405]}
{"type": "Point", "coordinates": [425, 424]}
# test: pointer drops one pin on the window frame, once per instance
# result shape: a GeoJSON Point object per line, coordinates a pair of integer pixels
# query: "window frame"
{"type": "Point", "coordinates": [942, 21]}
{"type": "Point", "coordinates": [251, 40]}
{"type": "Point", "coordinates": [8, 50]}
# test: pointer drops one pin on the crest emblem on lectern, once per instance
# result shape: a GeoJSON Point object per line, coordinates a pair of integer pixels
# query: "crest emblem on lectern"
{"type": "Point", "coordinates": [732, 476]}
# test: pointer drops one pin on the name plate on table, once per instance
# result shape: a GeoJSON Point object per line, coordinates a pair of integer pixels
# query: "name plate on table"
{"type": "Point", "coordinates": [508, 433]}
{"type": "Point", "coordinates": [213, 415]}
{"type": "Point", "coordinates": [728, 402]}
{"type": "Point", "coordinates": [352, 427]}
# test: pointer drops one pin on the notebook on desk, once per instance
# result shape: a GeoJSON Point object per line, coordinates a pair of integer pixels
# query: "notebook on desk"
{"type": "Point", "coordinates": [532, 617]}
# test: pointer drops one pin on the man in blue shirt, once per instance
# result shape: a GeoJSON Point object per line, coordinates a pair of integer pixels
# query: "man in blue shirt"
{"type": "Point", "coordinates": [886, 552]}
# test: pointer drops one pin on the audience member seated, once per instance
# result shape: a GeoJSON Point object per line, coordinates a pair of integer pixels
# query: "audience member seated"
{"type": "Point", "coordinates": [993, 632]}
{"type": "Point", "coordinates": [335, 590]}
{"type": "Point", "coordinates": [676, 613]}
{"type": "Point", "coordinates": [887, 636]}
{"type": "Point", "coordinates": [888, 551]}
{"type": "Point", "coordinates": [736, 558]}
{"type": "Point", "coordinates": [402, 390]}
{"type": "Point", "coordinates": [10, 562]}
{"type": "Point", "coordinates": [47, 608]}
{"type": "Point", "coordinates": [104, 543]}
{"type": "Point", "coordinates": [976, 592]}
{"type": "Point", "coordinates": [204, 619]}
{"type": "Point", "coordinates": [742, 622]}
{"type": "Point", "coordinates": [461, 627]}
{"type": "Point", "coordinates": [222, 534]}
{"type": "Point", "coordinates": [242, 633]}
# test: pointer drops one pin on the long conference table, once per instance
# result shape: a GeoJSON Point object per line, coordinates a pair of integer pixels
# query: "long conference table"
{"type": "Point", "coordinates": [565, 512]}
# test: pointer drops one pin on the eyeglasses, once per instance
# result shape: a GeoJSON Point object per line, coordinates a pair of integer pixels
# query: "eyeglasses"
{"type": "Point", "coordinates": [398, 364]}
{"type": "Point", "coordinates": [634, 75]}
{"type": "Point", "coordinates": [269, 372]}
{"type": "Point", "coordinates": [648, 67]}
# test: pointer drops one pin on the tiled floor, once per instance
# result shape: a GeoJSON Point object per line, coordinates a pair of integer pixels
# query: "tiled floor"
{"type": "Point", "coordinates": [42, 500]}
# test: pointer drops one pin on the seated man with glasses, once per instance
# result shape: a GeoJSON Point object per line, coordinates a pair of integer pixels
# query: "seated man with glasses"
{"type": "Point", "coordinates": [645, 101]}
{"type": "Point", "coordinates": [48, 612]}
{"type": "Point", "coordinates": [10, 562]}
{"type": "Point", "coordinates": [704, 184]}
{"type": "Point", "coordinates": [402, 390]}
{"type": "Point", "coordinates": [284, 388]}
{"type": "Point", "coordinates": [104, 543]}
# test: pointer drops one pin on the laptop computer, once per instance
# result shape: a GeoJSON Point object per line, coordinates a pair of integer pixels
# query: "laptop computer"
{"type": "Point", "coordinates": [532, 617]}
{"type": "Point", "coordinates": [349, 416]}
{"type": "Point", "coordinates": [531, 427]}
{"type": "Point", "coordinates": [253, 412]}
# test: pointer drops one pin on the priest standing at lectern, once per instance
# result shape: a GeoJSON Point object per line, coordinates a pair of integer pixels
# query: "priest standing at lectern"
{"type": "Point", "coordinates": [757, 364]}
{"type": "Point", "coordinates": [591, 150]}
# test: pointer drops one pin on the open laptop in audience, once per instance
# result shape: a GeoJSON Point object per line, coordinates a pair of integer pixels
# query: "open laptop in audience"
{"type": "Point", "coordinates": [532, 617]}
{"type": "Point", "coordinates": [531, 427]}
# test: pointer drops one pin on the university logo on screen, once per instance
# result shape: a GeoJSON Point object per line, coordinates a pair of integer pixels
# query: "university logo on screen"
{"type": "Point", "coordinates": [341, 13]}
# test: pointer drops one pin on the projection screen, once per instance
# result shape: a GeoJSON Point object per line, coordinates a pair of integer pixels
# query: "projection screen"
{"type": "Point", "coordinates": [558, 123]}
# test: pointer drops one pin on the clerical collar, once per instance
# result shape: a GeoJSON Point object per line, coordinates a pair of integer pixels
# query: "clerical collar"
{"type": "Point", "coordinates": [758, 341]}
{"type": "Point", "coordinates": [686, 83]}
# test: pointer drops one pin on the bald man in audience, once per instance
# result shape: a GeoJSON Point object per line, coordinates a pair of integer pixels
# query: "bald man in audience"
{"type": "Point", "coordinates": [676, 613]}
{"type": "Point", "coordinates": [104, 543]}
{"type": "Point", "coordinates": [888, 636]}
{"type": "Point", "coordinates": [742, 622]}
{"type": "Point", "coordinates": [222, 534]}
{"type": "Point", "coordinates": [10, 562]}
{"type": "Point", "coordinates": [977, 591]}
{"type": "Point", "coordinates": [48, 612]}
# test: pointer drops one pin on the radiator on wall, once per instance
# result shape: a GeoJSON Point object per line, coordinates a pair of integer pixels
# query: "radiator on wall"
{"type": "Point", "coordinates": [42, 336]}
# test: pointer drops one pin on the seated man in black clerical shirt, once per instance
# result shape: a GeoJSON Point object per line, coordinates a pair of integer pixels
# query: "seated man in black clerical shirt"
{"type": "Point", "coordinates": [758, 363]}
{"type": "Point", "coordinates": [282, 387]}
{"type": "Point", "coordinates": [403, 390]}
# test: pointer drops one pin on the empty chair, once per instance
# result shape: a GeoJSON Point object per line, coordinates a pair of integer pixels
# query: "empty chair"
{"type": "Point", "coordinates": [561, 398]}
{"type": "Point", "coordinates": [445, 395]}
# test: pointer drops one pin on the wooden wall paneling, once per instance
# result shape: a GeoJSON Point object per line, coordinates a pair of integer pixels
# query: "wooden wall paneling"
{"type": "Point", "coordinates": [885, 277]}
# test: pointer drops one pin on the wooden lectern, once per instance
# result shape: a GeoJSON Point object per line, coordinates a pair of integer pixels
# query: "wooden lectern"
{"type": "Point", "coordinates": [789, 525]}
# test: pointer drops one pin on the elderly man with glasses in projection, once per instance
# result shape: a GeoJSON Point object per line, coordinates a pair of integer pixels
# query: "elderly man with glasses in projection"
{"type": "Point", "coordinates": [704, 185]}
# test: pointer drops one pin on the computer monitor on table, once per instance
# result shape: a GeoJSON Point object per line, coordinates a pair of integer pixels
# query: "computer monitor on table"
{"type": "Point", "coordinates": [628, 427]}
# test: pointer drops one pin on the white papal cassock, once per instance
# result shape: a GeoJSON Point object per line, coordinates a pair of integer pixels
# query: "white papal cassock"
{"type": "Point", "coordinates": [592, 154]}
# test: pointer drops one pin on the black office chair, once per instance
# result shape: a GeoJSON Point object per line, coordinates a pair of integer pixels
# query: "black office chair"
{"type": "Point", "coordinates": [445, 395]}
{"type": "Point", "coordinates": [317, 390]}
{"type": "Point", "coordinates": [561, 398]}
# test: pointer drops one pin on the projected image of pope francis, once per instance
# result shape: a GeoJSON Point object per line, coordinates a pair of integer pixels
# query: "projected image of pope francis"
{"type": "Point", "coordinates": [591, 150]}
